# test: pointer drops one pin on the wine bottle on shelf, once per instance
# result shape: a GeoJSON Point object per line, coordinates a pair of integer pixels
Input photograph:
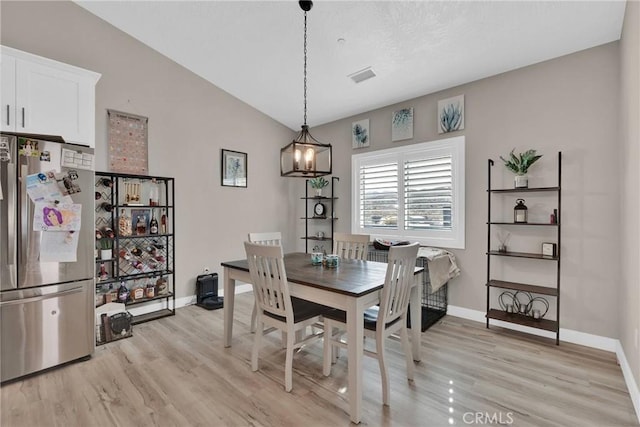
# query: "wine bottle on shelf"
{"type": "Point", "coordinates": [163, 223]}
{"type": "Point", "coordinates": [153, 226]}
{"type": "Point", "coordinates": [141, 227]}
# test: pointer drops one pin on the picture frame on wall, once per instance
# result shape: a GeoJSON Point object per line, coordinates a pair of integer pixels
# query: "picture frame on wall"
{"type": "Point", "coordinates": [233, 168]}
{"type": "Point", "coordinates": [451, 114]}
{"type": "Point", "coordinates": [360, 135]}
{"type": "Point", "coordinates": [402, 124]}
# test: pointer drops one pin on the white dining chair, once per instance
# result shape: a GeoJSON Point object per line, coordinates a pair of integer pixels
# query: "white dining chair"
{"type": "Point", "coordinates": [351, 246]}
{"type": "Point", "coordinates": [380, 322]}
{"type": "Point", "coordinates": [269, 238]}
{"type": "Point", "coordinates": [276, 308]}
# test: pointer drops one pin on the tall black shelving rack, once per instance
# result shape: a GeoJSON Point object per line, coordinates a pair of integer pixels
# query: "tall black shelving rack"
{"type": "Point", "coordinates": [121, 269]}
{"type": "Point", "coordinates": [308, 208]}
{"type": "Point", "coordinates": [492, 282]}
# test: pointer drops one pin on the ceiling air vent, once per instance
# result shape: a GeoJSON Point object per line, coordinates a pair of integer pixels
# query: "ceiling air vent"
{"type": "Point", "coordinates": [362, 75]}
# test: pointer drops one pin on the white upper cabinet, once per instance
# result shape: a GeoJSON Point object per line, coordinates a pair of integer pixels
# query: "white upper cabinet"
{"type": "Point", "coordinates": [43, 96]}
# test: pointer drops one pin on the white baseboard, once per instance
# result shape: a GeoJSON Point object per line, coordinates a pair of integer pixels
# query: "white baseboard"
{"type": "Point", "coordinates": [629, 379]}
{"type": "Point", "coordinates": [183, 301]}
{"type": "Point", "coordinates": [567, 335]}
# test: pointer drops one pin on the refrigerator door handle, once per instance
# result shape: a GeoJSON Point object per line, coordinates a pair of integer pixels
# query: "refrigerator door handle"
{"type": "Point", "coordinates": [40, 297]}
{"type": "Point", "coordinates": [11, 214]}
{"type": "Point", "coordinates": [23, 226]}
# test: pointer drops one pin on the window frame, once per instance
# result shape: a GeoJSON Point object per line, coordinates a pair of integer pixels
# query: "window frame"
{"type": "Point", "coordinates": [454, 147]}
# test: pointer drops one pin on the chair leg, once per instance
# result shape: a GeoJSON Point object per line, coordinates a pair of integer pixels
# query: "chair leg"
{"type": "Point", "coordinates": [253, 318]}
{"type": "Point", "coordinates": [288, 365]}
{"type": "Point", "coordinates": [327, 347]}
{"type": "Point", "coordinates": [256, 344]}
{"type": "Point", "coordinates": [383, 369]}
{"type": "Point", "coordinates": [408, 355]}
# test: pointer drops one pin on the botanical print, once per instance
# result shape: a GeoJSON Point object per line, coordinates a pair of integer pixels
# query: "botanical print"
{"type": "Point", "coordinates": [451, 114]}
{"type": "Point", "coordinates": [360, 136]}
{"type": "Point", "coordinates": [402, 124]}
{"type": "Point", "coordinates": [234, 168]}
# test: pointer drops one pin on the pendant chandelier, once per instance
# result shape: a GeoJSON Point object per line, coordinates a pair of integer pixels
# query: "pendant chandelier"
{"type": "Point", "coordinates": [305, 156]}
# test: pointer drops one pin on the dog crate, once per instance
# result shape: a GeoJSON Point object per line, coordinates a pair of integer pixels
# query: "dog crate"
{"type": "Point", "coordinates": [434, 304]}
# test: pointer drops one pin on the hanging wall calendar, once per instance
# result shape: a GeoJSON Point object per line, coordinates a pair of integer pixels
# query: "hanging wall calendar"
{"type": "Point", "coordinates": [128, 149]}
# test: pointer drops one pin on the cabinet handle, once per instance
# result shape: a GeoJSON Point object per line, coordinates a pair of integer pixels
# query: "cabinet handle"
{"type": "Point", "coordinates": [8, 115]}
{"type": "Point", "coordinates": [22, 116]}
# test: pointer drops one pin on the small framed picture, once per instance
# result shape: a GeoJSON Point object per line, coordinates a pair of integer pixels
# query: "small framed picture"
{"type": "Point", "coordinates": [549, 249]}
{"type": "Point", "coordinates": [360, 136]}
{"type": "Point", "coordinates": [233, 168]}
{"type": "Point", "coordinates": [451, 114]}
{"type": "Point", "coordinates": [402, 124]}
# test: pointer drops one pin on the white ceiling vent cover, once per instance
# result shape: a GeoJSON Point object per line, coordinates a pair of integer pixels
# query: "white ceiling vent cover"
{"type": "Point", "coordinates": [362, 75]}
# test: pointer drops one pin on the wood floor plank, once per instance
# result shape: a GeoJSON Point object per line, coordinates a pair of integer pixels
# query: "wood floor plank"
{"type": "Point", "coordinates": [175, 371]}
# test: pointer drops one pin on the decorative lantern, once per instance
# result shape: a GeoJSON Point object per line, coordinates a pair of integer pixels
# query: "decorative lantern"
{"type": "Point", "coordinates": [520, 212]}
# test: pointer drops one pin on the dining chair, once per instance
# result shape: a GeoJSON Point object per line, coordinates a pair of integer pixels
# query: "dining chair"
{"type": "Point", "coordinates": [380, 322]}
{"type": "Point", "coordinates": [276, 308]}
{"type": "Point", "coordinates": [351, 246]}
{"type": "Point", "coordinates": [269, 238]}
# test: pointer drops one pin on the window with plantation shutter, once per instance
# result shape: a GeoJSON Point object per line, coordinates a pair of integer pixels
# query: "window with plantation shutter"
{"type": "Point", "coordinates": [414, 192]}
{"type": "Point", "coordinates": [379, 195]}
{"type": "Point", "coordinates": [427, 194]}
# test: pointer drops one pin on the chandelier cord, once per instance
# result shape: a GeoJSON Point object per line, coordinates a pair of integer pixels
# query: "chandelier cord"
{"type": "Point", "coordinates": [305, 68]}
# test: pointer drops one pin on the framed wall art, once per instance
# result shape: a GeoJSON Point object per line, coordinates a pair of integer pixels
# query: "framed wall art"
{"type": "Point", "coordinates": [233, 168]}
{"type": "Point", "coordinates": [402, 124]}
{"type": "Point", "coordinates": [128, 143]}
{"type": "Point", "coordinates": [360, 136]}
{"type": "Point", "coordinates": [451, 114]}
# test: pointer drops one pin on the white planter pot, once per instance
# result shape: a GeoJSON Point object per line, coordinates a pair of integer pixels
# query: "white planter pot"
{"type": "Point", "coordinates": [106, 253]}
{"type": "Point", "coordinates": [318, 192]}
{"type": "Point", "coordinates": [521, 181]}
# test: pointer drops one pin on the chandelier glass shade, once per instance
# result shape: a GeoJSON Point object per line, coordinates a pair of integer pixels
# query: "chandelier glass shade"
{"type": "Point", "coordinates": [305, 156]}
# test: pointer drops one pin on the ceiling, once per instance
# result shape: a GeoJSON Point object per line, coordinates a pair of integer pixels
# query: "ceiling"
{"type": "Point", "coordinates": [254, 49]}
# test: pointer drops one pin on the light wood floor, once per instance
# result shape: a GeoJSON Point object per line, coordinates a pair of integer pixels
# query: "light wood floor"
{"type": "Point", "coordinates": [176, 372]}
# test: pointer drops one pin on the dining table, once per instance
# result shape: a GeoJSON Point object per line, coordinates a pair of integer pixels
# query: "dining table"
{"type": "Point", "coordinates": [352, 286]}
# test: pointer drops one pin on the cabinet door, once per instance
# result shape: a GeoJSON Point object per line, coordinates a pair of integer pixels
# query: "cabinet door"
{"type": "Point", "coordinates": [7, 93]}
{"type": "Point", "coordinates": [54, 101]}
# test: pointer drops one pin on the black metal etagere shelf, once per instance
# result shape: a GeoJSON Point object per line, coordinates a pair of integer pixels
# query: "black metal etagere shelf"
{"type": "Point", "coordinates": [157, 251]}
{"type": "Point", "coordinates": [309, 201]}
{"type": "Point", "coordinates": [492, 282]}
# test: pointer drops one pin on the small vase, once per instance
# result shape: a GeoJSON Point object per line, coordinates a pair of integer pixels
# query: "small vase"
{"type": "Point", "coordinates": [105, 254]}
{"type": "Point", "coordinates": [521, 181]}
{"type": "Point", "coordinates": [318, 192]}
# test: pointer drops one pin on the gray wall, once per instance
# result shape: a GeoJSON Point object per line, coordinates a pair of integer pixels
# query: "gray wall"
{"type": "Point", "coordinates": [190, 120]}
{"type": "Point", "coordinates": [568, 104]}
{"type": "Point", "coordinates": [629, 314]}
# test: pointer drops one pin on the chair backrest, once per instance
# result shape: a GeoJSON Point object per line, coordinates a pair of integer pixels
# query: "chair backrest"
{"type": "Point", "coordinates": [351, 246]}
{"type": "Point", "coordinates": [269, 279]}
{"type": "Point", "coordinates": [397, 284]}
{"type": "Point", "coordinates": [271, 238]}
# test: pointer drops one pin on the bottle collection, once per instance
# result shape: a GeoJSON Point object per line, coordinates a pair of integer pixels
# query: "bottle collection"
{"type": "Point", "coordinates": [134, 252]}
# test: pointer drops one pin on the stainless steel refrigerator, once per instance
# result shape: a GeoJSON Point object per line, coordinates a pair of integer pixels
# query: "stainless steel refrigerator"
{"type": "Point", "coordinates": [46, 291]}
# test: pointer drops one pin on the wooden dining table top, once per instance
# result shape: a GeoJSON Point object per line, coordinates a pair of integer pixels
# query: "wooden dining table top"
{"type": "Point", "coordinates": [351, 277]}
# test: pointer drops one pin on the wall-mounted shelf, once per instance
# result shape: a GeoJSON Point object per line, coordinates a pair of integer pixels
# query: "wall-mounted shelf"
{"type": "Point", "coordinates": [493, 282]}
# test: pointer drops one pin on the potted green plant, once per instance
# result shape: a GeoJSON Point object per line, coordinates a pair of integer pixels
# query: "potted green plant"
{"type": "Point", "coordinates": [104, 240]}
{"type": "Point", "coordinates": [520, 165]}
{"type": "Point", "coordinates": [318, 184]}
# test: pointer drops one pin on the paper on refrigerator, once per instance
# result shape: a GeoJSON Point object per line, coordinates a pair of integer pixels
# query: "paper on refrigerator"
{"type": "Point", "coordinates": [59, 246]}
